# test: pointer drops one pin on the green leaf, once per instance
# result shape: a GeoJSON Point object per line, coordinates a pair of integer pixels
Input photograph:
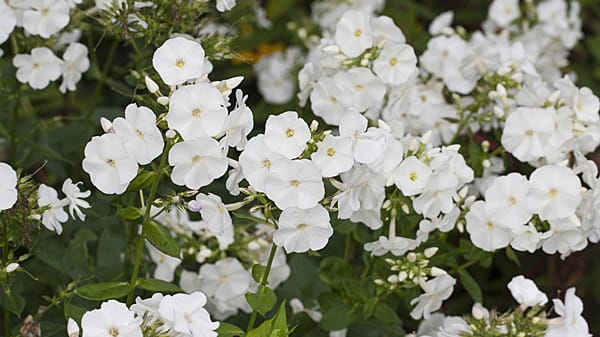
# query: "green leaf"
{"type": "Point", "coordinates": [369, 307]}
{"type": "Point", "coordinates": [263, 300]}
{"type": "Point", "coordinates": [355, 289]}
{"type": "Point", "coordinates": [276, 326]}
{"type": "Point", "coordinates": [337, 318]}
{"type": "Point", "coordinates": [257, 272]}
{"type": "Point", "coordinates": [510, 253]}
{"type": "Point", "coordinates": [161, 286]}
{"type": "Point", "coordinates": [141, 181]}
{"type": "Point", "coordinates": [229, 330]}
{"type": "Point", "coordinates": [77, 261]}
{"type": "Point", "coordinates": [13, 302]}
{"type": "Point", "coordinates": [470, 285]}
{"type": "Point", "coordinates": [160, 237]}
{"type": "Point", "coordinates": [104, 291]}
{"type": "Point", "coordinates": [385, 313]}
{"type": "Point", "coordinates": [129, 213]}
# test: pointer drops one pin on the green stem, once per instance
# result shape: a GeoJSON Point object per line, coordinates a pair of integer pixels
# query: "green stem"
{"type": "Point", "coordinates": [102, 79]}
{"type": "Point", "coordinates": [263, 282]}
{"type": "Point", "coordinates": [139, 248]}
{"type": "Point", "coordinates": [347, 247]}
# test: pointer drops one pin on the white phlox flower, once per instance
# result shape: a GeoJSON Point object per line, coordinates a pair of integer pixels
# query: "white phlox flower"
{"type": "Point", "coordinates": [295, 183]}
{"type": "Point", "coordinates": [8, 20]}
{"type": "Point", "coordinates": [8, 186]}
{"type": "Point", "coordinates": [38, 68]}
{"type": "Point", "coordinates": [139, 132]}
{"type": "Point", "coordinates": [555, 192]}
{"type": "Point", "coordinates": [302, 229]}
{"type": "Point", "coordinates": [46, 17]}
{"type": "Point", "coordinates": [165, 264]}
{"type": "Point", "coordinates": [75, 63]}
{"type": "Point", "coordinates": [286, 134]}
{"type": "Point", "coordinates": [215, 216]}
{"type": "Point", "coordinates": [525, 292]}
{"type": "Point", "coordinates": [53, 217]}
{"type": "Point", "coordinates": [108, 163]}
{"type": "Point", "coordinates": [197, 163]}
{"type": "Point", "coordinates": [436, 291]}
{"type": "Point", "coordinates": [570, 322]}
{"type": "Point", "coordinates": [74, 198]}
{"type": "Point", "coordinates": [353, 33]}
{"type": "Point", "coordinates": [185, 314]}
{"type": "Point", "coordinates": [333, 156]}
{"type": "Point", "coordinates": [112, 319]}
{"type": "Point", "coordinates": [179, 60]}
{"type": "Point", "coordinates": [238, 123]}
{"type": "Point", "coordinates": [197, 111]}
{"type": "Point", "coordinates": [257, 161]}
{"type": "Point", "coordinates": [485, 233]}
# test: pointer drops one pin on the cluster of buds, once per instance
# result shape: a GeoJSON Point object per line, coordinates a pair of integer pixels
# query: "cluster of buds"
{"type": "Point", "coordinates": [409, 270]}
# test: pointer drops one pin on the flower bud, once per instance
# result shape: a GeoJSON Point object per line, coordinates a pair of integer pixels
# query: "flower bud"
{"type": "Point", "coordinates": [170, 134]}
{"type": "Point", "coordinates": [151, 85]}
{"type": "Point", "coordinates": [106, 125]}
{"type": "Point", "coordinates": [163, 100]}
{"type": "Point", "coordinates": [429, 252]}
{"type": "Point", "coordinates": [12, 267]}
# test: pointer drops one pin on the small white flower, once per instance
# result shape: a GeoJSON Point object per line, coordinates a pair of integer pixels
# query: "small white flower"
{"type": "Point", "coordinates": [286, 134]}
{"type": "Point", "coordinates": [75, 62]}
{"type": "Point", "coordinates": [525, 292]}
{"type": "Point", "coordinates": [436, 291]}
{"type": "Point", "coordinates": [225, 5]}
{"type": "Point", "coordinates": [238, 123]}
{"type": "Point", "coordinates": [570, 323]}
{"type": "Point", "coordinates": [46, 17]}
{"type": "Point", "coordinates": [38, 68]}
{"type": "Point", "coordinates": [8, 20]}
{"type": "Point", "coordinates": [108, 163]}
{"type": "Point", "coordinates": [411, 176]}
{"type": "Point", "coordinates": [214, 215]}
{"type": "Point", "coordinates": [185, 314]}
{"type": "Point", "coordinates": [112, 319]}
{"type": "Point", "coordinates": [353, 33]}
{"type": "Point", "coordinates": [395, 64]}
{"type": "Point", "coordinates": [225, 280]}
{"type": "Point", "coordinates": [8, 186]}
{"type": "Point", "coordinates": [53, 217]}
{"type": "Point", "coordinates": [295, 183]}
{"type": "Point", "coordinates": [555, 192]}
{"type": "Point", "coordinates": [485, 233]}
{"type": "Point", "coordinates": [178, 60]}
{"type": "Point", "coordinates": [526, 132]}
{"type": "Point", "coordinates": [333, 156]}
{"type": "Point", "coordinates": [503, 12]}
{"type": "Point", "coordinates": [197, 162]}
{"type": "Point", "coordinates": [300, 230]}
{"type": "Point", "coordinates": [139, 132]}
{"type": "Point", "coordinates": [505, 200]}
{"type": "Point", "coordinates": [197, 111]}
{"type": "Point", "coordinates": [74, 196]}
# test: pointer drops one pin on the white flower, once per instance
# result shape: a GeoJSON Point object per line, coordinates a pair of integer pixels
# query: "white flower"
{"type": "Point", "coordinates": [438, 195]}
{"type": "Point", "coordinates": [8, 21]}
{"type": "Point", "coordinates": [555, 192]}
{"type": "Point", "coordinates": [327, 101]}
{"type": "Point", "coordinates": [214, 215]}
{"type": "Point", "coordinates": [436, 291]}
{"type": "Point", "coordinates": [525, 238]}
{"type": "Point", "coordinates": [178, 60]}
{"type": "Point", "coordinates": [38, 68]}
{"type": "Point", "coordinates": [333, 156]}
{"type": "Point", "coordinates": [395, 64]}
{"type": "Point", "coordinates": [353, 33]}
{"type": "Point", "coordinates": [525, 292]}
{"type": "Point", "coordinates": [238, 123]}
{"type": "Point", "coordinates": [46, 17]}
{"type": "Point", "coordinates": [139, 132]}
{"type": "Point", "coordinates": [441, 23]}
{"type": "Point", "coordinates": [185, 314]}
{"type": "Point", "coordinates": [411, 176]}
{"type": "Point", "coordinates": [75, 62]}
{"type": "Point", "coordinates": [295, 184]}
{"type": "Point", "coordinates": [225, 283]}
{"type": "Point", "coordinates": [526, 132]}
{"type": "Point", "coordinates": [361, 89]}
{"type": "Point", "coordinates": [197, 111]}
{"type": "Point", "coordinates": [8, 186]}
{"type": "Point", "coordinates": [74, 196]}
{"type": "Point", "coordinates": [112, 319]}
{"type": "Point", "coordinates": [397, 245]}
{"type": "Point", "coordinates": [286, 134]}
{"type": "Point", "coordinates": [53, 217]}
{"type": "Point", "coordinates": [197, 162]}
{"type": "Point", "coordinates": [302, 229]}
{"type": "Point", "coordinates": [505, 200]}
{"type": "Point", "coordinates": [108, 163]}
{"type": "Point", "coordinates": [257, 161]}
{"type": "Point", "coordinates": [148, 307]}
{"type": "Point", "coordinates": [503, 12]}
{"type": "Point", "coordinates": [570, 323]}
{"type": "Point", "coordinates": [165, 264]}
{"type": "Point", "coordinates": [225, 5]}
{"type": "Point", "coordinates": [485, 233]}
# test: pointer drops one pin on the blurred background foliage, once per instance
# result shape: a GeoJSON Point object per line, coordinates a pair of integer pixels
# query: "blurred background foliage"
{"type": "Point", "coordinates": [40, 127]}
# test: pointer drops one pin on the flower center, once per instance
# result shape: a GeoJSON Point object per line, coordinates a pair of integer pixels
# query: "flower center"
{"type": "Point", "coordinates": [358, 87]}
{"type": "Point", "coordinates": [330, 151]}
{"type": "Point", "coordinates": [301, 227]}
{"type": "Point", "coordinates": [196, 159]}
{"type": "Point", "coordinates": [267, 164]}
{"type": "Point", "coordinates": [490, 225]}
{"type": "Point", "coordinates": [44, 12]}
{"type": "Point", "coordinates": [358, 33]}
{"type": "Point", "coordinates": [35, 65]}
{"type": "Point", "coordinates": [289, 133]}
{"type": "Point", "coordinates": [512, 201]}
{"type": "Point", "coordinates": [413, 176]}
{"type": "Point", "coordinates": [111, 163]}
{"type": "Point", "coordinates": [393, 61]}
{"type": "Point", "coordinates": [333, 100]}
{"type": "Point", "coordinates": [114, 332]}
{"type": "Point", "coordinates": [529, 133]}
{"type": "Point", "coordinates": [140, 134]}
{"type": "Point", "coordinates": [196, 113]}
{"type": "Point", "coordinates": [180, 63]}
{"type": "Point", "coordinates": [553, 193]}
{"type": "Point", "coordinates": [294, 182]}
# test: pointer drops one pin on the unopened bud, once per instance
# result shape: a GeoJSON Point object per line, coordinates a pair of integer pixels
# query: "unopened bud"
{"type": "Point", "coordinates": [12, 267]}
{"type": "Point", "coordinates": [392, 279]}
{"type": "Point", "coordinates": [170, 134]}
{"type": "Point", "coordinates": [106, 125]}
{"type": "Point", "coordinates": [163, 100]}
{"type": "Point", "coordinates": [426, 138]}
{"type": "Point", "coordinates": [314, 125]}
{"type": "Point", "coordinates": [501, 91]}
{"type": "Point", "coordinates": [151, 85]}
{"type": "Point", "coordinates": [331, 49]}
{"type": "Point", "coordinates": [498, 112]}
{"type": "Point", "coordinates": [485, 146]}
{"type": "Point", "coordinates": [429, 252]}
{"type": "Point", "coordinates": [486, 163]}
{"type": "Point", "coordinates": [435, 271]}
{"type": "Point", "coordinates": [411, 257]}
{"type": "Point", "coordinates": [405, 209]}
{"type": "Point", "coordinates": [402, 276]}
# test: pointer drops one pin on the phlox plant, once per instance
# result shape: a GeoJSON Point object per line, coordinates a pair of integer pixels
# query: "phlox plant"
{"type": "Point", "coordinates": [363, 187]}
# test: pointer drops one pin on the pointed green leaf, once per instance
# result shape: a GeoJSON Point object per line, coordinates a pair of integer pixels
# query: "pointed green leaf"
{"type": "Point", "coordinates": [160, 237]}
{"type": "Point", "coordinates": [263, 300]}
{"type": "Point", "coordinates": [470, 285]}
{"type": "Point", "coordinates": [160, 286]}
{"type": "Point", "coordinates": [337, 318]}
{"type": "Point", "coordinates": [104, 291]}
{"type": "Point", "coordinates": [229, 330]}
